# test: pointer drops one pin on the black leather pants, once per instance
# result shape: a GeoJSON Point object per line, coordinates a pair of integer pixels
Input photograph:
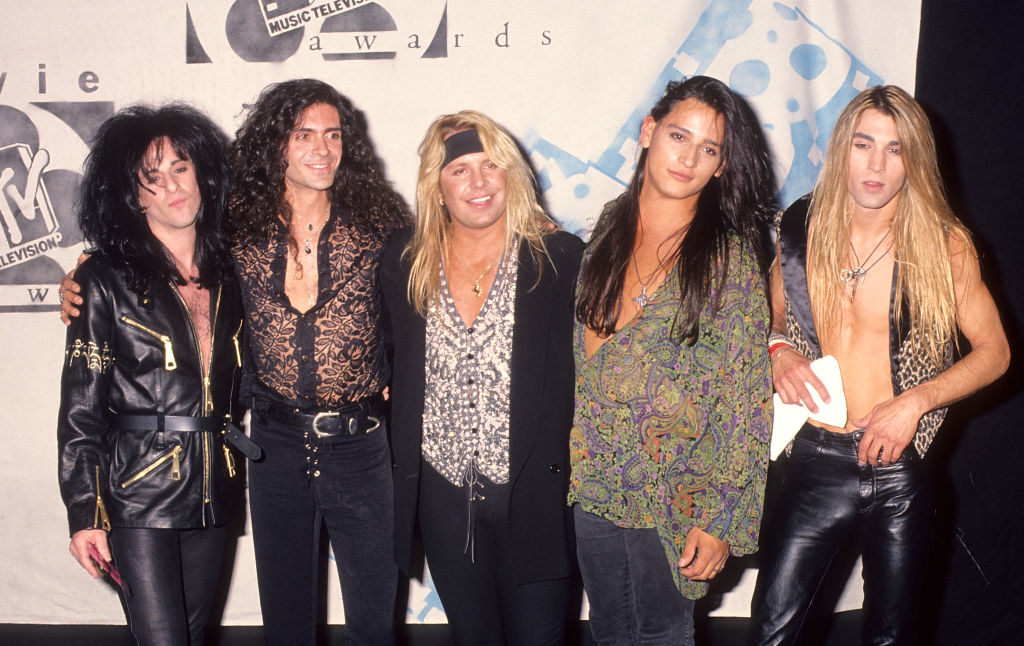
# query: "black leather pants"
{"type": "Point", "coordinates": [827, 497]}
{"type": "Point", "coordinates": [171, 576]}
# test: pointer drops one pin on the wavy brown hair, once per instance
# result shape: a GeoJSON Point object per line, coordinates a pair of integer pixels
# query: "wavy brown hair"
{"type": "Point", "coordinates": [258, 164]}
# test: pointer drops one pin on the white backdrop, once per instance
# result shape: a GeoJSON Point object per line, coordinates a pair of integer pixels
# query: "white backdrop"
{"type": "Point", "coordinates": [570, 78]}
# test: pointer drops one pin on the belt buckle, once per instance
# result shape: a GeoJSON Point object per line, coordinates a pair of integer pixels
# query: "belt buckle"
{"type": "Point", "coordinates": [323, 415]}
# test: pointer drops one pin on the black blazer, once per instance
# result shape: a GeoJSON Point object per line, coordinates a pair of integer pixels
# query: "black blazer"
{"type": "Point", "coordinates": [540, 413]}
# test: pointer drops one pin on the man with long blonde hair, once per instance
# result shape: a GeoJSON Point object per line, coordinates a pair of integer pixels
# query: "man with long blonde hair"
{"type": "Point", "coordinates": [874, 269]}
{"type": "Point", "coordinates": [479, 297]}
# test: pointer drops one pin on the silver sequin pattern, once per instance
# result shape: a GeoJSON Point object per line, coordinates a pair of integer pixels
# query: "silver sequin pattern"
{"type": "Point", "coordinates": [466, 391]}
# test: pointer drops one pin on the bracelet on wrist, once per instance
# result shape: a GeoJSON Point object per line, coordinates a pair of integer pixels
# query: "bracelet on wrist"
{"type": "Point", "coordinates": [777, 343]}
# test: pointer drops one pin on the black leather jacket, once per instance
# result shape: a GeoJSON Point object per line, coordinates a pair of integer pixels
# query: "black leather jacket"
{"type": "Point", "coordinates": [132, 355]}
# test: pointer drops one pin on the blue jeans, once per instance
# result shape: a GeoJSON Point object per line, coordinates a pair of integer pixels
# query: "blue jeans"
{"type": "Point", "coordinates": [303, 481]}
{"type": "Point", "coordinates": [171, 576]}
{"type": "Point", "coordinates": [633, 599]}
{"type": "Point", "coordinates": [826, 499]}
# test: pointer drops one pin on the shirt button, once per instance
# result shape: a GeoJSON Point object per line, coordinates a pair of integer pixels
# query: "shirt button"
{"type": "Point", "coordinates": [469, 356]}
{"type": "Point", "coordinates": [279, 294]}
{"type": "Point", "coordinates": [305, 357]}
{"type": "Point", "coordinates": [476, 430]}
{"type": "Point", "coordinates": [316, 474]}
{"type": "Point", "coordinates": [472, 404]}
{"type": "Point", "coordinates": [476, 453]}
{"type": "Point", "coordinates": [307, 397]}
{"type": "Point", "coordinates": [470, 381]}
{"type": "Point", "coordinates": [469, 330]}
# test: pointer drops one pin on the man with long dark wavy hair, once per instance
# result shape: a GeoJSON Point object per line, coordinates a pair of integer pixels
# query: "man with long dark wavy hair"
{"type": "Point", "coordinates": [310, 212]}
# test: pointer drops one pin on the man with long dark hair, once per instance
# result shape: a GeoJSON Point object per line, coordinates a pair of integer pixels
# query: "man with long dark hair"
{"type": "Point", "coordinates": [150, 370]}
{"type": "Point", "coordinates": [669, 443]}
{"type": "Point", "coordinates": [310, 213]}
{"type": "Point", "coordinates": [876, 270]}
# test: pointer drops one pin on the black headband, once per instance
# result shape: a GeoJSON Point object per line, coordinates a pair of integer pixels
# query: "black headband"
{"type": "Point", "coordinates": [461, 143]}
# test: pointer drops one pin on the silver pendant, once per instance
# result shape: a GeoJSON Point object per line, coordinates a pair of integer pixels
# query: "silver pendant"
{"type": "Point", "coordinates": [642, 299]}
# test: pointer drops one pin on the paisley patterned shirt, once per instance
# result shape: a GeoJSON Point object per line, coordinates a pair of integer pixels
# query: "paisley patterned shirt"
{"type": "Point", "coordinates": [673, 436]}
{"type": "Point", "coordinates": [331, 355]}
{"type": "Point", "coordinates": [468, 381]}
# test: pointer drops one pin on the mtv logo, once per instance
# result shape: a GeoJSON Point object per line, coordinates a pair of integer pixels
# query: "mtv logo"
{"type": "Point", "coordinates": [26, 213]}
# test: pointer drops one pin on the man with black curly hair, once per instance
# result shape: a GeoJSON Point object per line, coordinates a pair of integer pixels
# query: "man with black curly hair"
{"type": "Point", "coordinates": [309, 215]}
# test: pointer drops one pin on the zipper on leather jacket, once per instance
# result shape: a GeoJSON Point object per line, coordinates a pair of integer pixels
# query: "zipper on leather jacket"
{"type": "Point", "coordinates": [229, 457]}
{"type": "Point", "coordinates": [238, 344]}
{"type": "Point", "coordinates": [100, 520]}
{"type": "Point", "coordinates": [207, 396]}
{"type": "Point", "coordinates": [174, 456]}
{"type": "Point", "coordinates": [169, 362]}
{"type": "Point", "coordinates": [229, 460]}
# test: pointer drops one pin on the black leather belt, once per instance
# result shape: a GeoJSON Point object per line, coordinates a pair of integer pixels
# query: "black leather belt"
{"type": "Point", "coordinates": [177, 423]}
{"type": "Point", "coordinates": [351, 419]}
{"type": "Point", "coordinates": [185, 424]}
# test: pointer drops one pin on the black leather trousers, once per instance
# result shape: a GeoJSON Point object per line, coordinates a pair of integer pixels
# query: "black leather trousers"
{"type": "Point", "coordinates": [171, 577]}
{"type": "Point", "coordinates": [826, 498]}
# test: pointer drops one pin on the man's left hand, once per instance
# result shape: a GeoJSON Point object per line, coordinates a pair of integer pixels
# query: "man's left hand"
{"type": "Point", "coordinates": [888, 429]}
{"type": "Point", "coordinates": [703, 556]}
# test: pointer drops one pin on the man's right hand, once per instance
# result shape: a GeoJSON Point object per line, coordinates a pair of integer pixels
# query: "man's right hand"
{"type": "Point", "coordinates": [79, 547]}
{"type": "Point", "coordinates": [69, 293]}
{"type": "Point", "coordinates": [791, 374]}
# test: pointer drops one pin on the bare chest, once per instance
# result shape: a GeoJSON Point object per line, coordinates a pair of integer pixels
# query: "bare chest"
{"type": "Point", "coordinates": [301, 279]}
{"type": "Point", "coordinates": [197, 301]}
{"type": "Point", "coordinates": [861, 344]}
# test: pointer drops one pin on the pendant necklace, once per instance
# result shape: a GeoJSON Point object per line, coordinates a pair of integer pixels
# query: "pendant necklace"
{"type": "Point", "coordinates": [854, 277]}
{"type": "Point", "coordinates": [312, 231]}
{"type": "Point", "coordinates": [476, 283]}
{"type": "Point", "coordinates": [642, 300]}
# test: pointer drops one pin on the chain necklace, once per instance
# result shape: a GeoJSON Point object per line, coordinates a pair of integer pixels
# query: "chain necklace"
{"type": "Point", "coordinates": [312, 231]}
{"type": "Point", "coordinates": [642, 300]}
{"type": "Point", "coordinates": [476, 282]}
{"type": "Point", "coordinates": [854, 276]}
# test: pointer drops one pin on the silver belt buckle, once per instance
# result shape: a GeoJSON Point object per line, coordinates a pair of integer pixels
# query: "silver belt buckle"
{"type": "Point", "coordinates": [316, 420]}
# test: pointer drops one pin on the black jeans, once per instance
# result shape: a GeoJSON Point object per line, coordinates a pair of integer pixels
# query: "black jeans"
{"type": "Point", "coordinates": [302, 482]}
{"type": "Point", "coordinates": [826, 498]}
{"type": "Point", "coordinates": [628, 580]}
{"type": "Point", "coordinates": [171, 575]}
{"type": "Point", "coordinates": [484, 602]}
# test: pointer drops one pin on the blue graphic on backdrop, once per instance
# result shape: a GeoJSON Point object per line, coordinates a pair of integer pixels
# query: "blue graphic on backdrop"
{"type": "Point", "coordinates": [800, 67]}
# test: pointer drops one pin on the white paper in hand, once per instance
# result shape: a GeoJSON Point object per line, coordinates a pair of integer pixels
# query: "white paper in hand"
{"type": "Point", "coordinates": [789, 418]}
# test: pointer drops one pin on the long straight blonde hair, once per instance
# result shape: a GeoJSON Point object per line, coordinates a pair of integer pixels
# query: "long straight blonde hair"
{"type": "Point", "coordinates": [525, 220]}
{"type": "Point", "coordinates": [922, 226]}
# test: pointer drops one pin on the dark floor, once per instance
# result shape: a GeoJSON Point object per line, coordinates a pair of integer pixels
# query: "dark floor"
{"type": "Point", "coordinates": [842, 630]}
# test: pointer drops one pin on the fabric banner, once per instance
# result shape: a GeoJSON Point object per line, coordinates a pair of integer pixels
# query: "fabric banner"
{"type": "Point", "coordinates": [572, 80]}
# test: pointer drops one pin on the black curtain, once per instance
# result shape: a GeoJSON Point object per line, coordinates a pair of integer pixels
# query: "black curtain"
{"type": "Point", "coordinates": [970, 79]}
